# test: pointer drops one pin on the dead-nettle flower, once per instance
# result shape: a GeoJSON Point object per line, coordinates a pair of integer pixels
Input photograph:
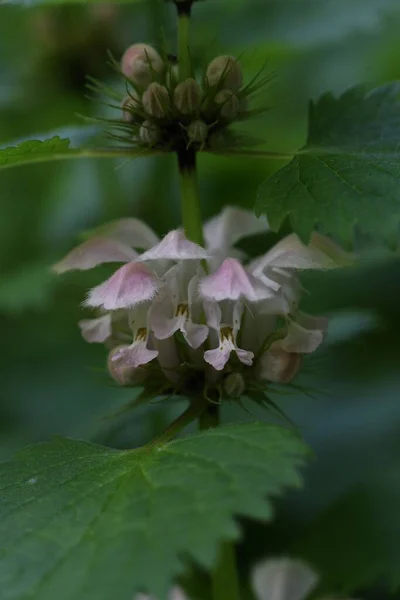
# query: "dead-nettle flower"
{"type": "Point", "coordinates": [158, 110]}
{"type": "Point", "coordinates": [272, 579]}
{"type": "Point", "coordinates": [237, 323]}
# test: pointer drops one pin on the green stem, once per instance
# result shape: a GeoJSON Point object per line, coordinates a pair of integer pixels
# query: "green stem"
{"type": "Point", "coordinates": [193, 411]}
{"type": "Point", "coordinates": [190, 201]}
{"type": "Point", "coordinates": [185, 68]}
{"type": "Point", "coordinates": [225, 584]}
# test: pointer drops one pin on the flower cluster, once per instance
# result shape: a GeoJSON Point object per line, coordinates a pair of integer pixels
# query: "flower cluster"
{"type": "Point", "coordinates": [162, 111]}
{"type": "Point", "coordinates": [273, 579]}
{"type": "Point", "coordinates": [201, 319]}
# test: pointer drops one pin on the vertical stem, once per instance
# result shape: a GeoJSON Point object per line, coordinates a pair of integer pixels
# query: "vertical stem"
{"type": "Point", "coordinates": [185, 69]}
{"type": "Point", "coordinates": [190, 202]}
{"type": "Point", "coordinates": [225, 584]}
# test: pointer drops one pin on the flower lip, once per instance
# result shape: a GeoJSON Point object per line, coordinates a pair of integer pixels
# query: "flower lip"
{"type": "Point", "coordinates": [129, 285]}
{"type": "Point", "coordinates": [174, 246]}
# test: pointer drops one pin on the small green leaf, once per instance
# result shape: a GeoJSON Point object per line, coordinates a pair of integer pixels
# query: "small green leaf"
{"type": "Point", "coordinates": [82, 521]}
{"type": "Point", "coordinates": [56, 148]}
{"type": "Point", "coordinates": [347, 174]}
{"type": "Point", "coordinates": [356, 543]}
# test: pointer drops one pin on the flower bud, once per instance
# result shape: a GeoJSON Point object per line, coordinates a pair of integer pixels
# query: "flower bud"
{"type": "Point", "coordinates": [121, 371]}
{"type": "Point", "coordinates": [156, 100]}
{"type": "Point", "coordinates": [279, 366]}
{"type": "Point", "coordinates": [149, 133]}
{"type": "Point", "coordinates": [187, 96]}
{"type": "Point", "coordinates": [128, 105]}
{"type": "Point", "coordinates": [140, 63]}
{"type": "Point", "coordinates": [229, 104]}
{"type": "Point", "coordinates": [197, 131]}
{"type": "Point", "coordinates": [225, 69]}
{"type": "Point", "coordinates": [234, 385]}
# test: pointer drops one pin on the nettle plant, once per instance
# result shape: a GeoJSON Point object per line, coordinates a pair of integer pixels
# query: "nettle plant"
{"type": "Point", "coordinates": [191, 316]}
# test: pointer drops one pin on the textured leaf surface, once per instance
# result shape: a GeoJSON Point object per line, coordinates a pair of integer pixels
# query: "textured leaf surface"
{"type": "Point", "coordinates": [349, 171]}
{"type": "Point", "coordinates": [55, 148]}
{"type": "Point", "coordinates": [82, 521]}
{"type": "Point", "coordinates": [356, 544]}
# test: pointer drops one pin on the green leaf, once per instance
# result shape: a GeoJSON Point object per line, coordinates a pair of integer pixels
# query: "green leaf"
{"type": "Point", "coordinates": [56, 148]}
{"type": "Point", "coordinates": [347, 174]}
{"type": "Point", "coordinates": [356, 543]}
{"type": "Point", "coordinates": [82, 521]}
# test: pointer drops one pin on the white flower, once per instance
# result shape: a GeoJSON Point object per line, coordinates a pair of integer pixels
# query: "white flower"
{"type": "Point", "coordinates": [283, 579]}
{"type": "Point", "coordinates": [240, 312]}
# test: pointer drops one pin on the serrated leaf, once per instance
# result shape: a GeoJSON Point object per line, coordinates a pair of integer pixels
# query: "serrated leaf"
{"type": "Point", "coordinates": [347, 174]}
{"type": "Point", "coordinates": [356, 543]}
{"type": "Point", "coordinates": [82, 521]}
{"type": "Point", "coordinates": [55, 148]}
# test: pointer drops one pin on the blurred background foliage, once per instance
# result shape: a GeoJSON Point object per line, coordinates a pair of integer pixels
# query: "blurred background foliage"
{"type": "Point", "coordinates": [53, 382]}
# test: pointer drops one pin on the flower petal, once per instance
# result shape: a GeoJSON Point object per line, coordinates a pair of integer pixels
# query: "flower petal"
{"type": "Point", "coordinates": [130, 231]}
{"type": "Point", "coordinates": [304, 334]}
{"type": "Point", "coordinates": [136, 354]}
{"type": "Point", "coordinates": [93, 252]}
{"type": "Point", "coordinates": [131, 284]}
{"type": "Point", "coordinates": [174, 246]}
{"type": "Point", "coordinates": [218, 357]}
{"type": "Point", "coordinates": [195, 334]}
{"type": "Point", "coordinates": [231, 225]}
{"type": "Point", "coordinates": [283, 579]}
{"type": "Point", "coordinates": [96, 331]}
{"type": "Point", "coordinates": [291, 253]}
{"type": "Point", "coordinates": [231, 282]}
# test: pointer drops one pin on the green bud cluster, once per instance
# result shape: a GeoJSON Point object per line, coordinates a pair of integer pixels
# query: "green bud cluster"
{"type": "Point", "coordinates": [164, 112]}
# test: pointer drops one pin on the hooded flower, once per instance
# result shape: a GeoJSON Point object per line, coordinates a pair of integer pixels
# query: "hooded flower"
{"type": "Point", "coordinates": [231, 313]}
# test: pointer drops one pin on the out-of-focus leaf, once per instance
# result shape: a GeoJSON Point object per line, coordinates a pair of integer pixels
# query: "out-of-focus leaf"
{"type": "Point", "coordinates": [349, 171]}
{"type": "Point", "coordinates": [55, 148]}
{"type": "Point", "coordinates": [356, 543]}
{"type": "Point", "coordinates": [82, 521]}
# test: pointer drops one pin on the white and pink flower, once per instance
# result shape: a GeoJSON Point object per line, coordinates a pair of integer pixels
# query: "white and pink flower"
{"type": "Point", "coordinates": [224, 307]}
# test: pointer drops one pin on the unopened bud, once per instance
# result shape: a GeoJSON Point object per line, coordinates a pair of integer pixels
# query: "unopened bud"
{"type": "Point", "coordinates": [121, 371]}
{"type": "Point", "coordinates": [129, 105]}
{"type": "Point", "coordinates": [279, 366]}
{"type": "Point", "coordinates": [226, 71]}
{"type": "Point", "coordinates": [156, 101]}
{"type": "Point", "coordinates": [229, 104]}
{"type": "Point", "coordinates": [149, 133]}
{"type": "Point", "coordinates": [197, 131]}
{"type": "Point", "coordinates": [187, 96]}
{"type": "Point", "coordinates": [234, 385]}
{"type": "Point", "coordinates": [141, 63]}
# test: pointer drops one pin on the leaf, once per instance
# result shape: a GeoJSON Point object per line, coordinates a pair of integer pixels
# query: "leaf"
{"type": "Point", "coordinates": [347, 174]}
{"type": "Point", "coordinates": [56, 148]}
{"type": "Point", "coordinates": [83, 521]}
{"type": "Point", "coordinates": [356, 543]}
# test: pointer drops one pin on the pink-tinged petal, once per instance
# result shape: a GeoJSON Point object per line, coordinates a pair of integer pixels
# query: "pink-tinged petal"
{"type": "Point", "coordinates": [136, 354]}
{"type": "Point", "coordinates": [291, 253]}
{"type": "Point", "coordinates": [304, 335]}
{"type": "Point", "coordinates": [96, 331]}
{"type": "Point", "coordinates": [231, 282]}
{"type": "Point", "coordinates": [122, 372]}
{"type": "Point", "coordinates": [213, 314]}
{"type": "Point", "coordinates": [162, 320]}
{"type": "Point", "coordinates": [131, 284]}
{"type": "Point", "coordinates": [130, 231]}
{"type": "Point", "coordinates": [195, 334]}
{"type": "Point", "coordinates": [245, 356]}
{"type": "Point", "coordinates": [283, 579]}
{"type": "Point", "coordinates": [93, 252]}
{"type": "Point", "coordinates": [231, 225]}
{"type": "Point", "coordinates": [174, 246]}
{"type": "Point", "coordinates": [218, 357]}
